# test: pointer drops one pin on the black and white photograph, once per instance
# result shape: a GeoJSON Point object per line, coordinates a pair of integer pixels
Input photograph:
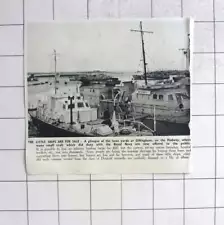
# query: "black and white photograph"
{"type": "Point", "coordinates": [108, 78]}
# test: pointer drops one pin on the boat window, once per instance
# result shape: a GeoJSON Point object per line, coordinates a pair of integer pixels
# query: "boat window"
{"type": "Point", "coordinates": [155, 96]}
{"type": "Point", "coordinates": [170, 97]}
{"type": "Point", "coordinates": [93, 90]}
{"type": "Point", "coordinates": [63, 106]}
{"type": "Point", "coordinates": [87, 105]}
{"type": "Point", "coordinates": [179, 99]}
{"type": "Point", "coordinates": [80, 104]}
{"type": "Point", "coordinates": [71, 106]}
{"type": "Point", "coordinates": [160, 97]}
{"type": "Point", "coordinates": [184, 96]}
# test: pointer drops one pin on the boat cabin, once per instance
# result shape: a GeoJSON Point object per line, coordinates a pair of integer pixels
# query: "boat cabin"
{"type": "Point", "coordinates": [59, 107]}
{"type": "Point", "coordinates": [170, 98]}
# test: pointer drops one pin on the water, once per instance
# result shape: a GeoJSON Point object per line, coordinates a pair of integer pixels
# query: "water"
{"type": "Point", "coordinates": [32, 130]}
{"type": "Point", "coordinates": [124, 76]}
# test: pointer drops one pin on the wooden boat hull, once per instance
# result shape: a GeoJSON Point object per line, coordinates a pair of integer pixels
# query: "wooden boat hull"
{"type": "Point", "coordinates": [46, 130]}
{"type": "Point", "coordinates": [164, 128]}
{"type": "Point", "coordinates": [49, 130]}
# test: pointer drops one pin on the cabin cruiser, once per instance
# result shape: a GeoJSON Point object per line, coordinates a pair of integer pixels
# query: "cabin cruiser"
{"type": "Point", "coordinates": [169, 104]}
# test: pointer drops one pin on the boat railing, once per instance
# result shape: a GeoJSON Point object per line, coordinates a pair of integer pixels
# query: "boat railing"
{"type": "Point", "coordinates": [138, 123]}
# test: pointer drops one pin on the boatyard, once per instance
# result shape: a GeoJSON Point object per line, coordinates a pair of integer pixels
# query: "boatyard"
{"type": "Point", "coordinates": [94, 109]}
{"type": "Point", "coordinates": [108, 103]}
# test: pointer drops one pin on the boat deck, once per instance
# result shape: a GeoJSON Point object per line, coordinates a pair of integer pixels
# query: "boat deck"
{"type": "Point", "coordinates": [87, 128]}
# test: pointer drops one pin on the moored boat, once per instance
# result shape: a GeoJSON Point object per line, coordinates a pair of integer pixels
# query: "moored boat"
{"type": "Point", "coordinates": [65, 113]}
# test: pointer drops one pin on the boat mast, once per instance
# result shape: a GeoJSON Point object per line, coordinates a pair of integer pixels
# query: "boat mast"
{"type": "Point", "coordinates": [71, 106]}
{"type": "Point", "coordinates": [55, 71]}
{"type": "Point", "coordinates": [188, 55]}
{"type": "Point", "coordinates": [143, 49]}
{"type": "Point", "coordinates": [186, 52]}
{"type": "Point", "coordinates": [143, 53]}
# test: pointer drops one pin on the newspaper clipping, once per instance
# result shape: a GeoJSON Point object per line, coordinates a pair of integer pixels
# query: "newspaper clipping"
{"type": "Point", "coordinates": [108, 96]}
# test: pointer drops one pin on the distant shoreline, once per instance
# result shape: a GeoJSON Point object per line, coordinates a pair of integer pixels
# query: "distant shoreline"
{"type": "Point", "coordinates": [101, 72]}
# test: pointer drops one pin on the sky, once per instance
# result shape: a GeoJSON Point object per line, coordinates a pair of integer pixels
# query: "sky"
{"type": "Point", "coordinates": [107, 45]}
